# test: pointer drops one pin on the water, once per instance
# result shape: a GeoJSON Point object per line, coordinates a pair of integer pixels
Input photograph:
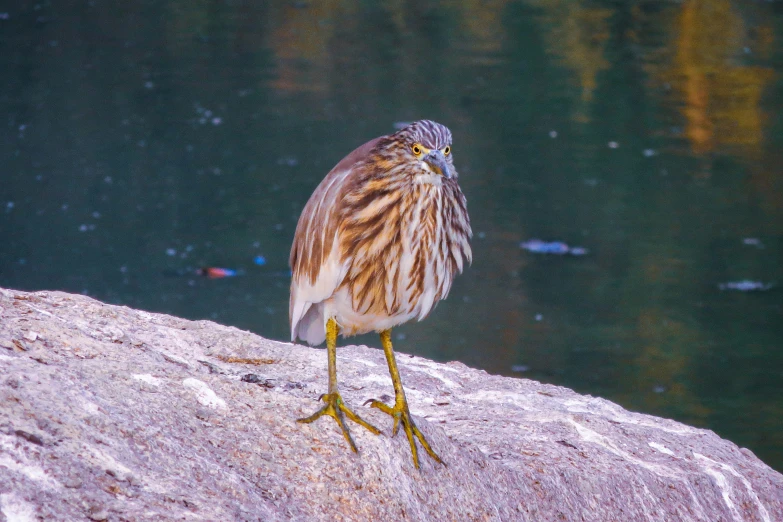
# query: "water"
{"type": "Point", "coordinates": [142, 142]}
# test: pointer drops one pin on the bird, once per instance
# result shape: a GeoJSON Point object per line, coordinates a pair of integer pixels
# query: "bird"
{"type": "Point", "coordinates": [378, 244]}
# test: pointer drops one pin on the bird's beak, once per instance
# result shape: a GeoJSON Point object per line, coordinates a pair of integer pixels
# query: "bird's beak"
{"type": "Point", "coordinates": [437, 162]}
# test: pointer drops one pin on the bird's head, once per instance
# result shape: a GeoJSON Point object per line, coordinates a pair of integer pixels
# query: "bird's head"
{"type": "Point", "coordinates": [426, 144]}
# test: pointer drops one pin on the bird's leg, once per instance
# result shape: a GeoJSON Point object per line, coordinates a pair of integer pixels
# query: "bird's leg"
{"type": "Point", "coordinates": [400, 412]}
{"type": "Point", "coordinates": [335, 407]}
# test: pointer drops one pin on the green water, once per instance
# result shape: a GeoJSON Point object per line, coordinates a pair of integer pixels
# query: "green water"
{"type": "Point", "coordinates": [140, 141]}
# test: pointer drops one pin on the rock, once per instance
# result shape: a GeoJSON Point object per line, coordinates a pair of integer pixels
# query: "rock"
{"type": "Point", "coordinates": [168, 425]}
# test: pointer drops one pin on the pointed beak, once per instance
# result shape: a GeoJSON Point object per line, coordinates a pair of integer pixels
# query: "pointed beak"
{"type": "Point", "coordinates": [437, 161]}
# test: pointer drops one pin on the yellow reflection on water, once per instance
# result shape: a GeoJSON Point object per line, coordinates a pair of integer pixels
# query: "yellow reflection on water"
{"type": "Point", "coordinates": [576, 34]}
{"type": "Point", "coordinates": [482, 22]}
{"type": "Point", "coordinates": [300, 44]}
{"type": "Point", "coordinates": [719, 96]}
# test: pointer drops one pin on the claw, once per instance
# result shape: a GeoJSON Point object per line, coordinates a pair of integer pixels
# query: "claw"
{"type": "Point", "coordinates": [402, 415]}
{"type": "Point", "coordinates": [336, 408]}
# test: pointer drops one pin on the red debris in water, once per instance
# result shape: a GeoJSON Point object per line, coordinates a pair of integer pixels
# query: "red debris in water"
{"type": "Point", "coordinates": [213, 272]}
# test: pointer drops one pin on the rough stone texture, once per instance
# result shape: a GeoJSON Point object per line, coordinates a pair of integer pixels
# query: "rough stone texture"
{"type": "Point", "coordinates": [109, 413]}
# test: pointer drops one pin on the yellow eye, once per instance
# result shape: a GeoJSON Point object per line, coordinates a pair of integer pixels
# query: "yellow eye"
{"type": "Point", "coordinates": [416, 149]}
{"type": "Point", "coordinates": [447, 151]}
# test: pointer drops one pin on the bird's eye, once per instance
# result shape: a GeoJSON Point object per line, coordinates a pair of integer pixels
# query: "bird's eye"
{"type": "Point", "coordinates": [447, 151]}
{"type": "Point", "coordinates": [416, 149]}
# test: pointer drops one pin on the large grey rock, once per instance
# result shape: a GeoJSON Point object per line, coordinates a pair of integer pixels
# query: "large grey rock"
{"type": "Point", "coordinates": [109, 413]}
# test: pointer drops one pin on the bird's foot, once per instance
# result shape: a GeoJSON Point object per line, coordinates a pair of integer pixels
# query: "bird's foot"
{"type": "Point", "coordinates": [402, 415]}
{"type": "Point", "coordinates": [335, 408]}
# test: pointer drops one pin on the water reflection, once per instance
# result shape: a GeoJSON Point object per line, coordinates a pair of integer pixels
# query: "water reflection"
{"type": "Point", "coordinates": [717, 86]}
{"type": "Point", "coordinates": [144, 143]}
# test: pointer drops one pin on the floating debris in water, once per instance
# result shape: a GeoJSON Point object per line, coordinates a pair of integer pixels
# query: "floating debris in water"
{"type": "Point", "coordinates": [753, 241]}
{"type": "Point", "coordinates": [613, 145]}
{"type": "Point", "coordinates": [553, 134]}
{"type": "Point", "coordinates": [207, 116]}
{"type": "Point", "coordinates": [551, 247]}
{"type": "Point", "coordinates": [214, 272]}
{"type": "Point", "coordinates": [520, 368]}
{"type": "Point", "coordinates": [259, 260]}
{"type": "Point", "coordinates": [746, 285]}
{"type": "Point", "coordinates": [649, 153]}
{"type": "Point", "coordinates": [288, 161]}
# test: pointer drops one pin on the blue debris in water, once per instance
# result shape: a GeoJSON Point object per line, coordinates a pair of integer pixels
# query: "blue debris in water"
{"type": "Point", "coordinates": [746, 285]}
{"type": "Point", "coordinates": [551, 247]}
{"type": "Point", "coordinates": [259, 260]}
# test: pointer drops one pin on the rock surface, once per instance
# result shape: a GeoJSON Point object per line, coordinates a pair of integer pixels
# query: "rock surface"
{"type": "Point", "coordinates": [109, 413]}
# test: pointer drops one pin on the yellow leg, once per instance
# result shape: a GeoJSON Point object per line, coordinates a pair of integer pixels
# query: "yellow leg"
{"type": "Point", "coordinates": [400, 412]}
{"type": "Point", "coordinates": [335, 407]}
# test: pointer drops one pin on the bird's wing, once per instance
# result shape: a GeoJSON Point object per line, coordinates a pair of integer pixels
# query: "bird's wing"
{"type": "Point", "coordinates": [316, 267]}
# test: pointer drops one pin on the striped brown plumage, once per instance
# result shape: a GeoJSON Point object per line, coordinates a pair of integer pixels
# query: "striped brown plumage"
{"type": "Point", "coordinates": [378, 244]}
{"type": "Point", "coordinates": [381, 238]}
